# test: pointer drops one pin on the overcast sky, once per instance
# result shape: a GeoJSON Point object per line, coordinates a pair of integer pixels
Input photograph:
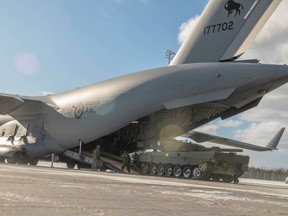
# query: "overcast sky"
{"type": "Point", "coordinates": [54, 46]}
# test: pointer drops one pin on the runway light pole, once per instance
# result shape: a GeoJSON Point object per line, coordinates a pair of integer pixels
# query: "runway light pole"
{"type": "Point", "coordinates": [169, 55]}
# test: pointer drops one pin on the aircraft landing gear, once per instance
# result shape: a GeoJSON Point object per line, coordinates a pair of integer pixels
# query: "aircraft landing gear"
{"type": "Point", "coordinates": [2, 159]}
{"type": "Point", "coordinates": [70, 164]}
{"type": "Point", "coordinates": [33, 161]}
{"type": "Point", "coordinates": [18, 158]}
{"type": "Point", "coordinates": [21, 158]}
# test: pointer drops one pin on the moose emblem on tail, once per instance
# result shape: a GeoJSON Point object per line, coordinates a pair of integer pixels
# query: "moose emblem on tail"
{"type": "Point", "coordinates": [231, 5]}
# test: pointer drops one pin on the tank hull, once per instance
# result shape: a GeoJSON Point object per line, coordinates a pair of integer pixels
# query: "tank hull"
{"type": "Point", "coordinates": [202, 165]}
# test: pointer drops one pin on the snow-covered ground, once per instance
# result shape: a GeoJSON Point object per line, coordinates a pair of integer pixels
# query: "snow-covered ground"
{"type": "Point", "coordinates": [262, 182]}
{"type": "Point", "coordinates": [48, 164]}
{"type": "Point", "coordinates": [242, 180]}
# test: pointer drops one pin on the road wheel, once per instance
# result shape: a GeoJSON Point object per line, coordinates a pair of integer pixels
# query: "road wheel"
{"type": "Point", "coordinates": [153, 169]}
{"type": "Point", "coordinates": [177, 171]}
{"type": "Point", "coordinates": [168, 170]}
{"type": "Point", "coordinates": [187, 171]}
{"type": "Point", "coordinates": [160, 169]}
{"type": "Point", "coordinates": [197, 173]}
{"type": "Point", "coordinates": [145, 168]}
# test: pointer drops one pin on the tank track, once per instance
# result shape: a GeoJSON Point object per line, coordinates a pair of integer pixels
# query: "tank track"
{"type": "Point", "coordinates": [203, 171]}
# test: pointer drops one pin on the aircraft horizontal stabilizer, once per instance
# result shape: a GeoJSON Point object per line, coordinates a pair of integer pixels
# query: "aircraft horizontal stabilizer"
{"type": "Point", "coordinates": [202, 137]}
{"type": "Point", "coordinates": [9, 102]}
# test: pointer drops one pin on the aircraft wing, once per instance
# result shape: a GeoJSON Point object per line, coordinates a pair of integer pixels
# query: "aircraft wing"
{"type": "Point", "coordinates": [9, 102]}
{"type": "Point", "coordinates": [203, 137]}
{"type": "Point", "coordinates": [225, 30]}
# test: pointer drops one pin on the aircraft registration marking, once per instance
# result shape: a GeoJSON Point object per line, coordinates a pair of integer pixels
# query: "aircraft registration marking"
{"type": "Point", "coordinates": [78, 110]}
{"type": "Point", "coordinates": [220, 27]}
{"type": "Point", "coordinates": [89, 108]}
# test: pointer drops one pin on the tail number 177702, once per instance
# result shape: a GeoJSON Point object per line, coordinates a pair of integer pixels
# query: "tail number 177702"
{"type": "Point", "coordinates": [212, 29]}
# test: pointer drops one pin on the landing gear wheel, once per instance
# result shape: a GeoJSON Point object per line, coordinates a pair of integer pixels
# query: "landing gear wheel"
{"type": "Point", "coordinates": [33, 161]}
{"type": "Point", "coordinates": [70, 164]}
{"type": "Point", "coordinates": [187, 171]}
{"type": "Point", "coordinates": [153, 169]}
{"type": "Point", "coordinates": [197, 173]}
{"type": "Point", "coordinates": [2, 159]}
{"type": "Point", "coordinates": [82, 165]}
{"type": "Point", "coordinates": [11, 160]}
{"type": "Point", "coordinates": [168, 170]}
{"type": "Point", "coordinates": [79, 166]}
{"type": "Point", "coordinates": [177, 171]}
{"type": "Point", "coordinates": [18, 158]}
{"type": "Point", "coordinates": [145, 169]}
{"type": "Point", "coordinates": [160, 169]}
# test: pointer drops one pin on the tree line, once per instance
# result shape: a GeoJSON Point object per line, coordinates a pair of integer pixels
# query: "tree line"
{"type": "Point", "coordinates": [266, 174]}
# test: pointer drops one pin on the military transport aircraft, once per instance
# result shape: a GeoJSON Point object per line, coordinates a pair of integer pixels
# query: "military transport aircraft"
{"type": "Point", "coordinates": [203, 82]}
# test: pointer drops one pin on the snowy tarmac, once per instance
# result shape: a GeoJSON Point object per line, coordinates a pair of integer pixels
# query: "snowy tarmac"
{"type": "Point", "coordinates": [42, 190]}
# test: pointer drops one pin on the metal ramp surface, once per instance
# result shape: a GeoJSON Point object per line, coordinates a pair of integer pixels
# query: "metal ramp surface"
{"type": "Point", "coordinates": [109, 161]}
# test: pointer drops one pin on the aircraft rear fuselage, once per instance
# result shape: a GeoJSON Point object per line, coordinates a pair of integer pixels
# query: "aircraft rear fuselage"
{"type": "Point", "coordinates": [97, 110]}
{"type": "Point", "coordinates": [101, 109]}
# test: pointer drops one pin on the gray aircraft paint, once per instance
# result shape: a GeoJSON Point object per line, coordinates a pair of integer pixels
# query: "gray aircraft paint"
{"type": "Point", "coordinates": [110, 105]}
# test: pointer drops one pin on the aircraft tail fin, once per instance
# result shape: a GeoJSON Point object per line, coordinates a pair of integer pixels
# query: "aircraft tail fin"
{"type": "Point", "coordinates": [225, 30]}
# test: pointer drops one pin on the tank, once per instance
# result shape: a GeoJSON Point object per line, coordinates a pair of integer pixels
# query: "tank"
{"type": "Point", "coordinates": [194, 161]}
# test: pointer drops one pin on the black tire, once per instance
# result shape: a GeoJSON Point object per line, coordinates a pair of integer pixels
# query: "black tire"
{"type": "Point", "coordinates": [18, 158]}
{"type": "Point", "coordinates": [2, 159]}
{"type": "Point", "coordinates": [70, 164]}
{"type": "Point", "coordinates": [33, 161]}
{"type": "Point", "coordinates": [11, 160]}
{"type": "Point", "coordinates": [80, 166]}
